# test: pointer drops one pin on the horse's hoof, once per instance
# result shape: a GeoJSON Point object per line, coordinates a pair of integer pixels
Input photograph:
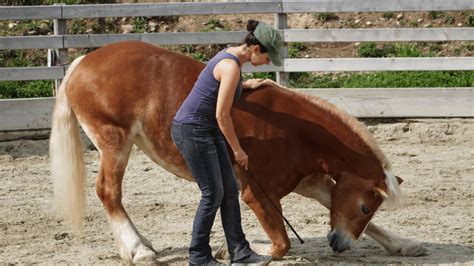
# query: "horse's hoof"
{"type": "Point", "coordinates": [144, 255]}
{"type": "Point", "coordinates": [413, 249]}
{"type": "Point", "coordinates": [409, 248]}
{"type": "Point", "coordinates": [261, 248]}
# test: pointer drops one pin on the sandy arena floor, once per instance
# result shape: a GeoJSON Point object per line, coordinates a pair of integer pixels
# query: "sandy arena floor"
{"type": "Point", "coordinates": [435, 158]}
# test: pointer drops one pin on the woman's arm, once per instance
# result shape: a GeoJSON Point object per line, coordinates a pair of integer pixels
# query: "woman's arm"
{"type": "Point", "coordinates": [228, 72]}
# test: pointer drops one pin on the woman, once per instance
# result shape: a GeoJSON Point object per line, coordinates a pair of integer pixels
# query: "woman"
{"type": "Point", "coordinates": [198, 131]}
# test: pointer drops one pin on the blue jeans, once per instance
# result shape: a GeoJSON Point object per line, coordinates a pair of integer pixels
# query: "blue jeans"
{"type": "Point", "coordinates": [205, 152]}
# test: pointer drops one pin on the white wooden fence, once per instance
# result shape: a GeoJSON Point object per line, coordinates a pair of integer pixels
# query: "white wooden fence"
{"type": "Point", "coordinates": [21, 114]}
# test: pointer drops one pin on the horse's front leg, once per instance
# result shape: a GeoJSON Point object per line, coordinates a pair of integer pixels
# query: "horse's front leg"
{"type": "Point", "coordinates": [319, 187]}
{"type": "Point", "coordinates": [270, 220]}
{"type": "Point", "coordinates": [133, 247]}
{"type": "Point", "coordinates": [395, 245]}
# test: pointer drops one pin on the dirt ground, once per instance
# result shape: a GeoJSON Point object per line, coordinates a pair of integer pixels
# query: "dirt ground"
{"type": "Point", "coordinates": [435, 158]}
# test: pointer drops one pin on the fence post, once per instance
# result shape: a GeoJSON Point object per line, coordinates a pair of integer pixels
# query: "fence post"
{"type": "Point", "coordinates": [281, 23]}
{"type": "Point", "coordinates": [60, 56]}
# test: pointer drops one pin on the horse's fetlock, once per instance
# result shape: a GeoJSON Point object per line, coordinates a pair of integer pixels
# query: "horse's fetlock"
{"type": "Point", "coordinates": [279, 250]}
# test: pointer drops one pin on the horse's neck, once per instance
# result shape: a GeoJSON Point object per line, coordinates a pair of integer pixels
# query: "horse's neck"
{"type": "Point", "coordinates": [335, 146]}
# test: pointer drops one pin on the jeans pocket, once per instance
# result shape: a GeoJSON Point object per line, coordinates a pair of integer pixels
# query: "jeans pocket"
{"type": "Point", "coordinates": [203, 131]}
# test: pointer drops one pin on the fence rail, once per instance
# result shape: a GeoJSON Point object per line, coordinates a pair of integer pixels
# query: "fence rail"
{"type": "Point", "coordinates": [289, 65]}
{"type": "Point", "coordinates": [248, 7]}
{"type": "Point", "coordinates": [30, 114]}
{"type": "Point", "coordinates": [178, 38]}
{"type": "Point", "coordinates": [432, 102]}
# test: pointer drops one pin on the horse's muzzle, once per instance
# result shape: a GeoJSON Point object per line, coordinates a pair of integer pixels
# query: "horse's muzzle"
{"type": "Point", "coordinates": [339, 241]}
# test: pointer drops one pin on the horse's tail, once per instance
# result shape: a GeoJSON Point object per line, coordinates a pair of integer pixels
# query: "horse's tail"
{"type": "Point", "coordinates": [67, 159]}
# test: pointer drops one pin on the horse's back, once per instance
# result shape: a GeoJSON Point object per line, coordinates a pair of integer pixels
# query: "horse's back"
{"type": "Point", "coordinates": [122, 81]}
{"type": "Point", "coordinates": [132, 90]}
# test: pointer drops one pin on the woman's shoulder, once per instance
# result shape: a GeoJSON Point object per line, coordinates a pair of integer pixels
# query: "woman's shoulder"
{"type": "Point", "coordinates": [227, 64]}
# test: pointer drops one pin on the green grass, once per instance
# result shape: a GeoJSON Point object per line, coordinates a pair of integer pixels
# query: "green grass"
{"type": "Point", "coordinates": [370, 49]}
{"type": "Point", "coordinates": [26, 89]}
{"type": "Point", "coordinates": [407, 50]}
{"type": "Point", "coordinates": [384, 79]}
{"type": "Point", "coordinates": [41, 88]}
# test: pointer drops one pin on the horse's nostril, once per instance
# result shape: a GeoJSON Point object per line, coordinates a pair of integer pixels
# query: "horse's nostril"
{"type": "Point", "coordinates": [332, 239]}
{"type": "Point", "coordinates": [338, 242]}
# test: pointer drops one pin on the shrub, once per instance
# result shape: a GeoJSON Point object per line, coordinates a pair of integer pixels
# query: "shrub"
{"type": "Point", "coordinates": [388, 15]}
{"type": "Point", "coordinates": [369, 49]}
{"type": "Point", "coordinates": [23, 58]}
{"type": "Point", "coordinates": [78, 26]}
{"type": "Point", "coordinates": [449, 20]}
{"type": "Point", "coordinates": [140, 24]}
{"type": "Point", "coordinates": [26, 89]}
{"type": "Point", "coordinates": [215, 25]}
{"type": "Point", "coordinates": [323, 17]}
{"type": "Point", "coordinates": [200, 57]}
{"type": "Point", "coordinates": [407, 50]}
{"type": "Point", "coordinates": [294, 49]}
{"type": "Point", "coordinates": [470, 20]}
{"type": "Point", "coordinates": [436, 14]}
{"type": "Point", "coordinates": [260, 75]}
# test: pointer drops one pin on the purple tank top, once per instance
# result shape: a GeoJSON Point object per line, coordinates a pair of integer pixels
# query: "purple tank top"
{"type": "Point", "coordinates": [199, 108]}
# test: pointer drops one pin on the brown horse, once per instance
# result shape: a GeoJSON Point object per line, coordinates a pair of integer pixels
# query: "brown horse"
{"type": "Point", "coordinates": [127, 93]}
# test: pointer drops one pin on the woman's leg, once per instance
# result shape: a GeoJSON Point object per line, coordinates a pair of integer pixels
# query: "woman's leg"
{"type": "Point", "coordinates": [199, 151]}
{"type": "Point", "coordinates": [230, 209]}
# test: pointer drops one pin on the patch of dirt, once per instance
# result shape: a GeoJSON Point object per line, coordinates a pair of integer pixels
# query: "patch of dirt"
{"type": "Point", "coordinates": [434, 157]}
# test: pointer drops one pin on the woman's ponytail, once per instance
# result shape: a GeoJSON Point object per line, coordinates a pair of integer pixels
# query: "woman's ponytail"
{"type": "Point", "coordinates": [250, 39]}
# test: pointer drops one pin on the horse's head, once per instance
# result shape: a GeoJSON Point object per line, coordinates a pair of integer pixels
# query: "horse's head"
{"type": "Point", "coordinates": [354, 201]}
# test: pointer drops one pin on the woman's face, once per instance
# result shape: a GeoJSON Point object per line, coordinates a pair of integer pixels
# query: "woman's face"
{"type": "Point", "coordinates": [258, 58]}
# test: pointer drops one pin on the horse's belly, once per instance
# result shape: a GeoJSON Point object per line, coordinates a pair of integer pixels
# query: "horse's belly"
{"type": "Point", "coordinates": [165, 161]}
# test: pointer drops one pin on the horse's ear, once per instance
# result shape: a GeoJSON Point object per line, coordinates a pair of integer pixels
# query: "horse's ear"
{"type": "Point", "coordinates": [380, 192]}
{"type": "Point", "coordinates": [399, 179]}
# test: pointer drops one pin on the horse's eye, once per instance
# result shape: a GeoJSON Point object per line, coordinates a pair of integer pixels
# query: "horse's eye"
{"type": "Point", "coordinates": [365, 210]}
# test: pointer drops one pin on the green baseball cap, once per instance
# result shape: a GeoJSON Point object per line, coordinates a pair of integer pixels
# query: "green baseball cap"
{"type": "Point", "coordinates": [271, 39]}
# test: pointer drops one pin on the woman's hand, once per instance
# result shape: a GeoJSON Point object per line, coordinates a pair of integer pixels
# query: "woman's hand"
{"type": "Point", "coordinates": [256, 83]}
{"type": "Point", "coordinates": [242, 158]}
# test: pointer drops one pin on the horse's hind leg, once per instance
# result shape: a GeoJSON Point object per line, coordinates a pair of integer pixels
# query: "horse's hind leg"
{"type": "Point", "coordinates": [114, 155]}
{"type": "Point", "coordinates": [319, 187]}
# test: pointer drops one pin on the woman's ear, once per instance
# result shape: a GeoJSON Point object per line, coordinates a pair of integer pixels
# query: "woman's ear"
{"type": "Point", "coordinates": [256, 49]}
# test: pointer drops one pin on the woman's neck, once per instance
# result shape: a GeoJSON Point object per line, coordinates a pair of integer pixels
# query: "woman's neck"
{"type": "Point", "coordinates": [242, 52]}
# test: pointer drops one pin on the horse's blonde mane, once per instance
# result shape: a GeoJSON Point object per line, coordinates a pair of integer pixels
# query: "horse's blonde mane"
{"type": "Point", "coordinates": [359, 129]}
